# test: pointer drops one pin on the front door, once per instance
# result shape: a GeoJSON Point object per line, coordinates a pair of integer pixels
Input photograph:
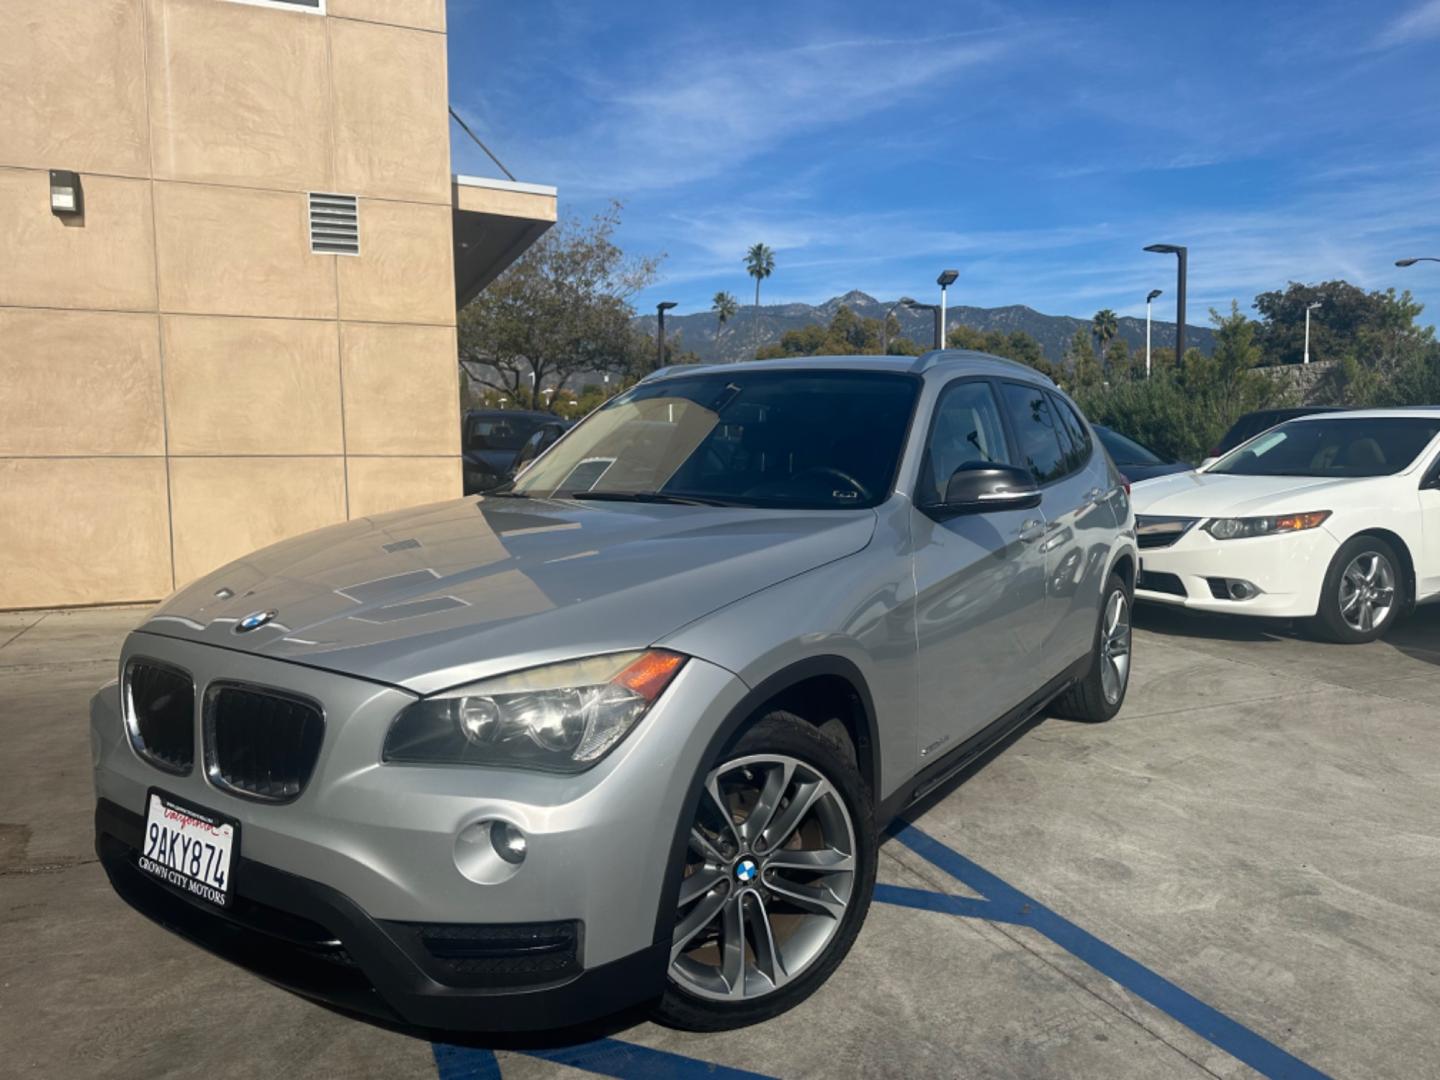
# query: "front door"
{"type": "Point", "coordinates": [979, 580]}
{"type": "Point", "coordinates": [1427, 565]}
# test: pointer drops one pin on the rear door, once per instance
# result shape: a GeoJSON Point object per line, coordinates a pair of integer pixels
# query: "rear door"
{"type": "Point", "coordinates": [979, 579]}
{"type": "Point", "coordinates": [1079, 524]}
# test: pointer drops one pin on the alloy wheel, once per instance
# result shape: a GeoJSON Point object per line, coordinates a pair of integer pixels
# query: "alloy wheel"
{"type": "Point", "coordinates": [1115, 647]}
{"type": "Point", "coordinates": [769, 878]}
{"type": "Point", "coordinates": [1367, 591]}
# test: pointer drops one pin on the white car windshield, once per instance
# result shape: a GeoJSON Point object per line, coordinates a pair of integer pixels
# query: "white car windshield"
{"type": "Point", "coordinates": [1335, 446]}
{"type": "Point", "coordinates": [792, 439]}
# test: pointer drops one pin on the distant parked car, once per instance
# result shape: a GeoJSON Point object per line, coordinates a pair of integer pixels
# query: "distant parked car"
{"type": "Point", "coordinates": [492, 441]}
{"type": "Point", "coordinates": [1333, 518]}
{"type": "Point", "coordinates": [1137, 461]}
{"type": "Point", "coordinates": [1253, 423]}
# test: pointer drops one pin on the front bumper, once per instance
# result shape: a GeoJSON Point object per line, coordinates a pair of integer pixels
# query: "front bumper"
{"type": "Point", "coordinates": [313, 940]}
{"type": "Point", "coordinates": [368, 850]}
{"type": "Point", "coordinates": [1289, 570]}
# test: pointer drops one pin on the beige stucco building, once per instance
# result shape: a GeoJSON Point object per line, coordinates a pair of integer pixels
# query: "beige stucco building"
{"type": "Point", "coordinates": [248, 329]}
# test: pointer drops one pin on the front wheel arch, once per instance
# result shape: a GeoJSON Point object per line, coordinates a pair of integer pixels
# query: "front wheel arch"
{"type": "Point", "coordinates": [750, 710]}
{"type": "Point", "coordinates": [1407, 568]}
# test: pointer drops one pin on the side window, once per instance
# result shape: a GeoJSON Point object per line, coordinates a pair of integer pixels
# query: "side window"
{"type": "Point", "coordinates": [1078, 434]}
{"type": "Point", "coordinates": [967, 429]}
{"type": "Point", "coordinates": [1033, 420]}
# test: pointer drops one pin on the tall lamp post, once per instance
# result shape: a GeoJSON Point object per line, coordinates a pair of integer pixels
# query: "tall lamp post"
{"type": "Point", "coordinates": [915, 305]}
{"type": "Point", "coordinates": [660, 309]}
{"type": "Point", "coordinates": [1180, 253]}
{"type": "Point", "coordinates": [1309, 308]}
{"type": "Point", "coordinates": [945, 280]}
{"type": "Point", "coordinates": [904, 301]}
{"type": "Point", "coordinates": [1412, 262]}
{"type": "Point", "coordinates": [1149, 299]}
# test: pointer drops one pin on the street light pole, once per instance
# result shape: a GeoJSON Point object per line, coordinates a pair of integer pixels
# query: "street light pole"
{"type": "Point", "coordinates": [945, 280]}
{"type": "Point", "coordinates": [1412, 262]}
{"type": "Point", "coordinates": [1181, 253]}
{"type": "Point", "coordinates": [1309, 308]}
{"type": "Point", "coordinates": [1150, 299]}
{"type": "Point", "coordinates": [904, 301]}
{"type": "Point", "coordinates": [660, 309]}
{"type": "Point", "coordinates": [915, 305]}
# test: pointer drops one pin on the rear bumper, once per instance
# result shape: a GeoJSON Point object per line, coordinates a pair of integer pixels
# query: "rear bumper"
{"type": "Point", "coordinates": [312, 939]}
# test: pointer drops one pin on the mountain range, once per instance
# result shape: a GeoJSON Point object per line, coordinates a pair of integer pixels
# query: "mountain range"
{"type": "Point", "coordinates": [752, 328]}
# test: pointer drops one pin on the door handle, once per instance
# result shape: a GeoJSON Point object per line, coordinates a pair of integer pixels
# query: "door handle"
{"type": "Point", "coordinates": [1094, 495]}
{"type": "Point", "coordinates": [1032, 530]}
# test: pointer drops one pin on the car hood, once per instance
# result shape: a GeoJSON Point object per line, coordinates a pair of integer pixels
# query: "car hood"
{"type": "Point", "coordinates": [443, 594]}
{"type": "Point", "coordinates": [1137, 473]}
{"type": "Point", "coordinates": [1201, 494]}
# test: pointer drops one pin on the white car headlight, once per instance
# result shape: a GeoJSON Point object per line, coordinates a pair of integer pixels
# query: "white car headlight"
{"type": "Point", "coordinates": [558, 718]}
{"type": "Point", "coordinates": [1238, 528]}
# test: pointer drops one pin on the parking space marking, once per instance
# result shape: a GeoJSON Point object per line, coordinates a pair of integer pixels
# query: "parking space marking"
{"type": "Point", "coordinates": [1005, 903]}
{"type": "Point", "coordinates": [606, 1057]}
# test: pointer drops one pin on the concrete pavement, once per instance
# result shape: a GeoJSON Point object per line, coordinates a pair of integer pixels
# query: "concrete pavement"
{"type": "Point", "coordinates": [1256, 829]}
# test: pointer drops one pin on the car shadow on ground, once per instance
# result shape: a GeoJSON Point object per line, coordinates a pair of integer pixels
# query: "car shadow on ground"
{"type": "Point", "coordinates": [1416, 635]}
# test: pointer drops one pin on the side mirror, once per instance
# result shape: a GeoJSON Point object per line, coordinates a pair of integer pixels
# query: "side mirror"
{"type": "Point", "coordinates": [983, 487]}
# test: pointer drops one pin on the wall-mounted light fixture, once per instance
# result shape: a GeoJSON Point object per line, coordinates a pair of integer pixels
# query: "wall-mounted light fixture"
{"type": "Point", "coordinates": [66, 197]}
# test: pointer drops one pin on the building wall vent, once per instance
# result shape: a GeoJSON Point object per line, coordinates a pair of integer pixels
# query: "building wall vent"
{"type": "Point", "coordinates": [334, 224]}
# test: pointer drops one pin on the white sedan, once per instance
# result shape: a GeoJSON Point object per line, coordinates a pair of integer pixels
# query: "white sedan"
{"type": "Point", "coordinates": [1334, 518]}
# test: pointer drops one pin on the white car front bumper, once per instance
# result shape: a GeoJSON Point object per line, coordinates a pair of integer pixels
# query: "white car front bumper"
{"type": "Point", "coordinates": [1288, 569]}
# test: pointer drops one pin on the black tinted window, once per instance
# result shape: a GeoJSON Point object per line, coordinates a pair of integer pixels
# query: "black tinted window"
{"type": "Point", "coordinates": [1034, 422]}
{"type": "Point", "coordinates": [499, 432]}
{"type": "Point", "coordinates": [802, 439]}
{"type": "Point", "coordinates": [1081, 446]}
{"type": "Point", "coordinates": [1339, 447]}
{"type": "Point", "coordinates": [967, 429]}
{"type": "Point", "coordinates": [1126, 451]}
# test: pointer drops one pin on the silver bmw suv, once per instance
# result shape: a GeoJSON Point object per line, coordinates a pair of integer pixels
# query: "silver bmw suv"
{"type": "Point", "coordinates": [626, 730]}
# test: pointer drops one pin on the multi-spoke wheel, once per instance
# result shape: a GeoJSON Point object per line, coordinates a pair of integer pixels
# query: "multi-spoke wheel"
{"type": "Point", "coordinates": [1099, 695]}
{"type": "Point", "coordinates": [776, 880]}
{"type": "Point", "coordinates": [1363, 592]}
{"type": "Point", "coordinates": [1115, 647]}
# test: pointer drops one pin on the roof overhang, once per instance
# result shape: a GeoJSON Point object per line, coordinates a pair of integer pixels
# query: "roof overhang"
{"type": "Point", "coordinates": [495, 221]}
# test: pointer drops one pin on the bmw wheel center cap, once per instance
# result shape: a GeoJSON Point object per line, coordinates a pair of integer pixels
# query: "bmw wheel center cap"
{"type": "Point", "coordinates": [745, 870]}
{"type": "Point", "coordinates": [253, 621]}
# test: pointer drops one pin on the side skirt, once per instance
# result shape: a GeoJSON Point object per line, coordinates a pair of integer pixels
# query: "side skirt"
{"type": "Point", "coordinates": [935, 775]}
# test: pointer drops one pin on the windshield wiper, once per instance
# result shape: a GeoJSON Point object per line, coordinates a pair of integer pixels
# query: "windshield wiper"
{"type": "Point", "coordinates": [651, 497]}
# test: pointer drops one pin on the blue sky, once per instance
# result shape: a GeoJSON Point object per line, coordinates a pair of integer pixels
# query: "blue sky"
{"type": "Point", "coordinates": [1035, 147]}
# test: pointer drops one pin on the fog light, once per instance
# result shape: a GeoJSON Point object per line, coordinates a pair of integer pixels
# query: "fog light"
{"type": "Point", "coordinates": [1242, 590]}
{"type": "Point", "coordinates": [508, 841]}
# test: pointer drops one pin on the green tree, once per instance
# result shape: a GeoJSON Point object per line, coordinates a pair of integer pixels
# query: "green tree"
{"type": "Point", "coordinates": [1119, 363]}
{"type": "Point", "coordinates": [1016, 345]}
{"type": "Point", "coordinates": [561, 310]}
{"type": "Point", "coordinates": [759, 264]}
{"type": "Point", "coordinates": [1105, 326]}
{"type": "Point", "coordinates": [725, 306]}
{"type": "Point", "coordinates": [1082, 370]}
{"type": "Point", "coordinates": [847, 334]}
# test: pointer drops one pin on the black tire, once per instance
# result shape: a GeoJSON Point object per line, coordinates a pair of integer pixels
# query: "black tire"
{"type": "Point", "coordinates": [1330, 622]}
{"type": "Point", "coordinates": [785, 734]}
{"type": "Point", "coordinates": [1088, 700]}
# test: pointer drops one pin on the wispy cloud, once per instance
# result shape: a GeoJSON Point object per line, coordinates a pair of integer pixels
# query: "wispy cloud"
{"type": "Point", "coordinates": [1420, 23]}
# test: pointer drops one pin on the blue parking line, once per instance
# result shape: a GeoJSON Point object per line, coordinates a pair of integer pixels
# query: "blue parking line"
{"type": "Point", "coordinates": [964, 906]}
{"type": "Point", "coordinates": [607, 1057]}
{"type": "Point", "coordinates": [1235, 1039]}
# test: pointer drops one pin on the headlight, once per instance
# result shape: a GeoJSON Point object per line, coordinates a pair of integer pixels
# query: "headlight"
{"type": "Point", "coordinates": [559, 718]}
{"type": "Point", "coordinates": [1240, 528]}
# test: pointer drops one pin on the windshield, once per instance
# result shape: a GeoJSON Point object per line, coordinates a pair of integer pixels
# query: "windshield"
{"type": "Point", "coordinates": [791, 439]}
{"type": "Point", "coordinates": [1126, 451]}
{"type": "Point", "coordinates": [1332, 447]}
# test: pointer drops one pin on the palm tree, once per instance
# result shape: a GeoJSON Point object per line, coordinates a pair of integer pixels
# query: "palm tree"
{"type": "Point", "coordinates": [759, 264]}
{"type": "Point", "coordinates": [1105, 326]}
{"type": "Point", "coordinates": [725, 306]}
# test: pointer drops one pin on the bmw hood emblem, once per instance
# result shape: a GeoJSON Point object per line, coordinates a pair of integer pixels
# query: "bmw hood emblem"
{"type": "Point", "coordinates": [745, 870]}
{"type": "Point", "coordinates": [253, 621]}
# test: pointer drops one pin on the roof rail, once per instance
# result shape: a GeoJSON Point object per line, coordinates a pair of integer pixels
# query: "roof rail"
{"type": "Point", "coordinates": [928, 360]}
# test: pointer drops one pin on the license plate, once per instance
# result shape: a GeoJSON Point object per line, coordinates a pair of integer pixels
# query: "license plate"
{"type": "Point", "coordinates": [189, 848]}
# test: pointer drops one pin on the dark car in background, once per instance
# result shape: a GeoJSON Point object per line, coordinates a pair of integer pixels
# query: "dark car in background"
{"type": "Point", "coordinates": [1137, 461]}
{"type": "Point", "coordinates": [492, 441]}
{"type": "Point", "coordinates": [1253, 423]}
